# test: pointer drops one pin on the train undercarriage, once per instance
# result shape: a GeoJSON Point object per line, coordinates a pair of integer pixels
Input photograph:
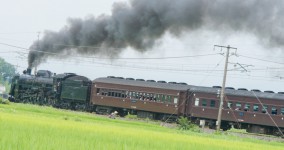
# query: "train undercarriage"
{"type": "Point", "coordinates": [104, 110]}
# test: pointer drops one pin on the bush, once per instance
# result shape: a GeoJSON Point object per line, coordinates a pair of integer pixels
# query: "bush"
{"type": "Point", "coordinates": [237, 130]}
{"type": "Point", "coordinates": [4, 101]}
{"type": "Point", "coordinates": [129, 116]}
{"type": "Point", "coordinates": [185, 124]}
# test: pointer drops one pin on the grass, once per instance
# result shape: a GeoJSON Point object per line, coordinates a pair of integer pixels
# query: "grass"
{"type": "Point", "coordinates": [237, 130]}
{"type": "Point", "coordinates": [29, 127]}
{"type": "Point", "coordinates": [4, 101]}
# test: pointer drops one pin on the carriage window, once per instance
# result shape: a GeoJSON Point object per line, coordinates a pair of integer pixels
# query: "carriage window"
{"type": "Point", "coordinates": [196, 102]}
{"type": "Point", "coordinates": [130, 94]}
{"type": "Point", "coordinates": [102, 92]}
{"type": "Point", "coordinates": [141, 97]}
{"type": "Point", "coordinates": [230, 105]}
{"type": "Point", "coordinates": [158, 97]}
{"type": "Point", "coordinates": [247, 107]}
{"type": "Point", "coordinates": [147, 96]}
{"type": "Point", "coordinates": [255, 107]}
{"type": "Point", "coordinates": [264, 109]}
{"type": "Point", "coordinates": [175, 100]}
{"type": "Point", "coordinates": [238, 106]}
{"type": "Point", "coordinates": [151, 97]}
{"type": "Point", "coordinates": [98, 91]}
{"type": "Point", "coordinates": [212, 103]}
{"type": "Point", "coordinates": [163, 98]}
{"type": "Point", "coordinates": [155, 97]}
{"type": "Point", "coordinates": [204, 102]}
{"type": "Point", "coordinates": [273, 111]}
{"type": "Point", "coordinates": [282, 111]}
{"type": "Point", "coordinates": [169, 99]}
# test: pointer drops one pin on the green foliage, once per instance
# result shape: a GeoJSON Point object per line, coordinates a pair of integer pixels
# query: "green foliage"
{"type": "Point", "coordinates": [185, 124]}
{"type": "Point", "coordinates": [7, 86]}
{"type": "Point", "coordinates": [237, 130]}
{"type": "Point", "coordinates": [4, 101]}
{"type": "Point", "coordinates": [129, 116]}
{"type": "Point", "coordinates": [6, 70]}
{"type": "Point", "coordinates": [37, 127]}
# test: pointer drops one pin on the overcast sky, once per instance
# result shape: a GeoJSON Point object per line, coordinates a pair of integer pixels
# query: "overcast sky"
{"type": "Point", "coordinates": [22, 20]}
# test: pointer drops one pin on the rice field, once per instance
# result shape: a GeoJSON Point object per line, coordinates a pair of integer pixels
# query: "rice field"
{"type": "Point", "coordinates": [29, 127]}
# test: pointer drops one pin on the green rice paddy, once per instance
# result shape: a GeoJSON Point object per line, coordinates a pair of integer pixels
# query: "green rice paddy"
{"type": "Point", "coordinates": [29, 127]}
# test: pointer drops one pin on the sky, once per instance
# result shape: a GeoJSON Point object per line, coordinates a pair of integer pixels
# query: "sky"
{"type": "Point", "coordinates": [253, 65]}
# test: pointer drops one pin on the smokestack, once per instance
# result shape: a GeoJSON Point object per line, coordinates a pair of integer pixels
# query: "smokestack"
{"type": "Point", "coordinates": [140, 24]}
{"type": "Point", "coordinates": [35, 71]}
{"type": "Point", "coordinates": [29, 71]}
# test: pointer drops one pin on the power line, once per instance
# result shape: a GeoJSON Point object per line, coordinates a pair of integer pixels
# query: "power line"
{"type": "Point", "coordinates": [268, 114]}
{"type": "Point", "coordinates": [15, 40]}
{"type": "Point", "coordinates": [6, 52]}
{"type": "Point", "coordinates": [174, 57]}
{"type": "Point", "coordinates": [262, 59]}
{"type": "Point", "coordinates": [159, 68]}
{"type": "Point", "coordinates": [18, 32]}
{"type": "Point", "coordinates": [183, 65]}
{"type": "Point", "coordinates": [14, 46]}
{"type": "Point", "coordinates": [264, 55]}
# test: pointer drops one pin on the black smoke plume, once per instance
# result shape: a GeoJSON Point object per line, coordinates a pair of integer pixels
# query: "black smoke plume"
{"type": "Point", "coordinates": [140, 23]}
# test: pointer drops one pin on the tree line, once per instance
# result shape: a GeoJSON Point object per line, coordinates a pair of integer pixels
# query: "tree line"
{"type": "Point", "coordinates": [7, 71]}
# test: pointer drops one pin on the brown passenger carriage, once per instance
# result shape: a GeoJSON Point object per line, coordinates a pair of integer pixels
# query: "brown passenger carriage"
{"type": "Point", "coordinates": [258, 112]}
{"type": "Point", "coordinates": [146, 99]}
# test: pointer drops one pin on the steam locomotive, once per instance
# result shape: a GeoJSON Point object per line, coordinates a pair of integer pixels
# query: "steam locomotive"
{"type": "Point", "coordinates": [68, 90]}
{"type": "Point", "coordinates": [255, 111]}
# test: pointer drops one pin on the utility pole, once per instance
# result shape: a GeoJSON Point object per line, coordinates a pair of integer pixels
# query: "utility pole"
{"type": "Point", "coordinates": [218, 123]}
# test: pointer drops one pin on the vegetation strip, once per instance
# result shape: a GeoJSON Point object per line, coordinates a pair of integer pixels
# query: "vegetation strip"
{"type": "Point", "coordinates": [36, 127]}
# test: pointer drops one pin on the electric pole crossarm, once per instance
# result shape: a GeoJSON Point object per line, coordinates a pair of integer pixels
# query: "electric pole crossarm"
{"type": "Point", "coordinates": [225, 47]}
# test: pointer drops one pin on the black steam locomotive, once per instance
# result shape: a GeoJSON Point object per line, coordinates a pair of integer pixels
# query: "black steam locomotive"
{"type": "Point", "coordinates": [68, 90]}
